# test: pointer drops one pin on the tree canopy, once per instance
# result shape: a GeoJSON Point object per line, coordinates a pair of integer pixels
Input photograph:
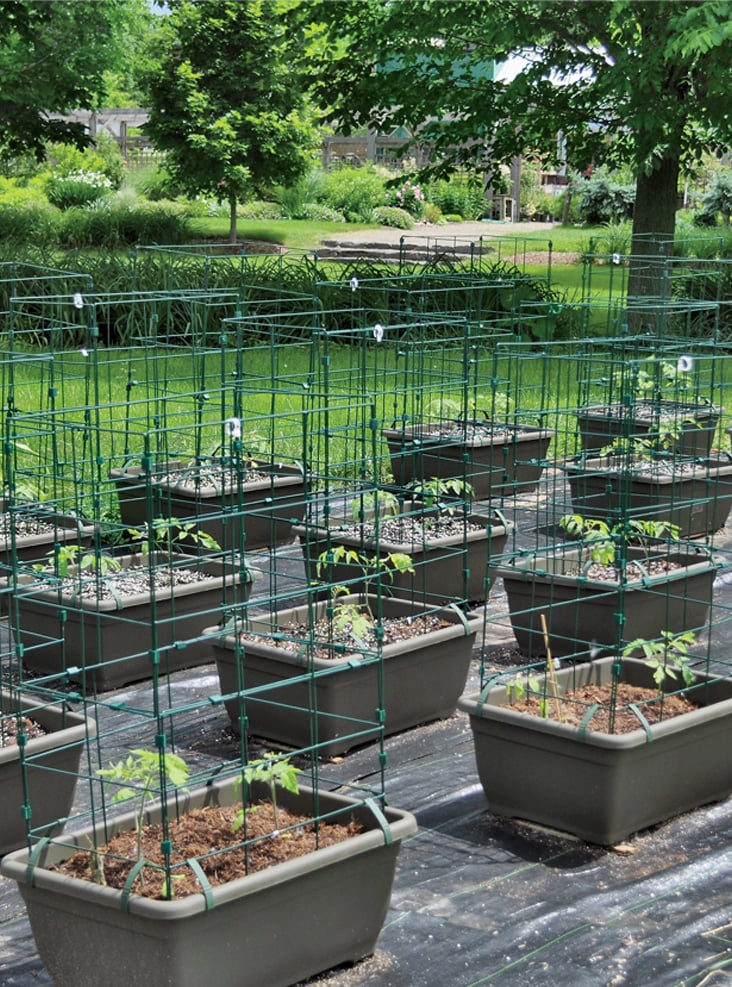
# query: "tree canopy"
{"type": "Point", "coordinates": [53, 57]}
{"type": "Point", "coordinates": [226, 100]}
{"type": "Point", "coordinates": [644, 82]}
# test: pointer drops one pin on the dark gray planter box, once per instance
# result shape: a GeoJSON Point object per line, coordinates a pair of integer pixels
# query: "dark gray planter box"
{"type": "Point", "coordinates": [583, 613]}
{"type": "Point", "coordinates": [698, 503]}
{"type": "Point", "coordinates": [51, 766]}
{"type": "Point", "coordinates": [601, 425]}
{"type": "Point", "coordinates": [509, 462]}
{"type": "Point", "coordinates": [107, 643]}
{"type": "Point", "coordinates": [298, 700]}
{"type": "Point", "coordinates": [272, 928]}
{"type": "Point", "coordinates": [265, 508]}
{"type": "Point", "coordinates": [67, 530]}
{"type": "Point", "coordinates": [602, 787]}
{"type": "Point", "coordinates": [447, 569]}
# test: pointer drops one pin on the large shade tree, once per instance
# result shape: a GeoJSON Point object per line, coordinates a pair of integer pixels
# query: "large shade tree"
{"type": "Point", "coordinates": [53, 58]}
{"type": "Point", "coordinates": [226, 100]}
{"type": "Point", "coordinates": [644, 82]}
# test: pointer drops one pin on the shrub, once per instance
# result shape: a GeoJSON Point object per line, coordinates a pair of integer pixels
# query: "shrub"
{"type": "Point", "coordinates": [154, 182]}
{"type": "Point", "coordinates": [407, 196]}
{"type": "Point", "coordinates": [392, 216]}
{"type": "Point", "coordinates": [256, 209]}
{"type": "Point", "coordinates": [29, 222]}
{"type": "Point", "coordinates": [104, 159]}
{"type": "Point", "coordinates": [433, 213]}
{"type": "Point", "coordinates": [604, 201]}
{"type": "Point", "coordinates": [118, 223]}
{"type": "Point", "coordinates": [460, 194]}
{"type": "Point", "coordinates": [354, 192]}
{"type": "Point", "coordinates": [718, 200]}
{"type": "Point", "coordinates": [79, 188]}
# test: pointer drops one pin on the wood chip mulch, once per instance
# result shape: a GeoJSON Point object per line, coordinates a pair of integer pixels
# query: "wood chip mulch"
{"type": "Point", "coordinates": [200, 834]}
{"type": "Point", "coordinates": [573, 707]}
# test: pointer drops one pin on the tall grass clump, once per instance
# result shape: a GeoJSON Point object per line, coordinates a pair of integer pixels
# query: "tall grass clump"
{"type": "Point", "coordinates": [119, 223]}
{"type": "Point", "coordinates": [29, 223]}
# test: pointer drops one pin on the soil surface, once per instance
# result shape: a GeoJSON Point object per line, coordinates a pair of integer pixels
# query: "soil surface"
{"type": "Point", "coordinates": [572, 707]}
{"type": "Point", "coordinates": [11, 726]}
{"type": "Point", "coordinates": [207, 835]}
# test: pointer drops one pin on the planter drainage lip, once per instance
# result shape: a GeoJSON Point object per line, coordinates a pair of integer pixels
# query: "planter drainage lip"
{"type": "Point", "coordinates": [28, 867]}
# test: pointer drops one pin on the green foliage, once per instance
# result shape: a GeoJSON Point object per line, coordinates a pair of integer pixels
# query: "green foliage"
{"type": "Point", "coordinates": [29, 222]}
{"type": "Point", "coordinates": [668, 657]}
{"type": "Point", "coordinates": [273, 771]}
{"type": "Point", "coordinates": [53, 56]}
{"type": "Point", "coordinates": [407, 196]}
{"type": "Point", "coordinates": [433, 490]}
{"type": "Point", "coordinates": [353, 192]}
{"type": "Point", "coordinates": [104, 159]}
{"type": "Point", "coordinates": [80, 188]}
{"type": "Point", "coordinates": [165, 534]}
{"type": "Point", "coordinates": [601, 540]}
{"type": "Point", "coordinates": [392, 216]}
{"type": "Point", "coordinates": [116, 223]}
{"type": "Point", "coordinates": [138, 777]}
{"type": "Point", "coordinates": [718, 200]}
{"type": "Point", "coordinates": [226, 100]}
{"type": "Point", "coordinates": [460, 194]}
{"type": "Point", "coordinates": [381, 502]}
{"type": "Point", "coordinates": [604, 201]}
{"type": "Point", "coordinates": [433, 213]}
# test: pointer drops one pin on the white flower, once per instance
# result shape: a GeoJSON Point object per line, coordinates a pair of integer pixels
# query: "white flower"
{"type": "Point", "coordinates": [233, 427]}
{"type": "Point", "coordinates": [378, 332]}
{"type": "Point", "coordinates": [78, 300]}
{"type": "Point", "coordinates": [685, 364]}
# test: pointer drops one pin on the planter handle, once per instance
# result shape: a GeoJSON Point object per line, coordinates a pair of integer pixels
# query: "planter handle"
{"type": "Point", "coordinates": [380, 819]}
{"type": "Point", "coordinates": [463, 619]}
{"type": "Point", "coordinates": [582, 728]}
{"type": "Point", "coordinates": [33, 859]}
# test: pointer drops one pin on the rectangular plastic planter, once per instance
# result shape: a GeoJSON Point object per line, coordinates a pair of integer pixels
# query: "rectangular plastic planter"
{"type": "Point", "coordinates": [273, 928]}
{"type": "Point", "coordinates": [266, 508]}
{"type": "Point", "coordinates": [697, 502]}
{"type": "Point", "coordinates": [67, 530]}
{"type": "Point", "coordinates": [600, 425]}
{"type": "Point", "coordinates": [51, 766]}
{"type": "Point", "coordinates": [509, 462]}
{"type": "Point", "coordinates": [298, 701]}
{"type": "Point", "coordinates": [447, 569]}
{"type": "Point", "coordinates": [584, 613]}
{"type": "Point", "coordinates": [107, 643]}
{"type": "Point", "coordinates": [602, 787]}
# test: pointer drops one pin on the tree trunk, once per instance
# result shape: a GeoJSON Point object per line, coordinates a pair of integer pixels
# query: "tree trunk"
{"type": "Point", "coordinates": [232, 220]}
{"type": "Point", "coordinates": [654, 221]}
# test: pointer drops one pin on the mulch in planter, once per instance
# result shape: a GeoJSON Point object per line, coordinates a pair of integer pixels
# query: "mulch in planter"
{"type": "Point", "coordinates": [575, 704]}
{"type": "Point", "coordinates": [199, 834]}
{"type": "Point", "coordinates": [11, 726]}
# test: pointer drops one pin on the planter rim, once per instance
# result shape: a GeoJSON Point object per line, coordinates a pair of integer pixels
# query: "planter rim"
{"type": "Point", "coordinates": [23, 865]}
{"type": "Point", "coordinates": [419, 434]}
{"type": "Point", "coordinates": [601, 465]}
{"type": "Point", "coordinates": [476, 704]}
{"type": "Point", "coordinates": [528, 570]}
{"type": "Point", "coordinates": [80, 726]}
{"type": "Point", "coordinates": [283, 474]}
{"type": "Point", "coordinates": [462, 625]}
{"type": "Point", "coordinates": [491, 528]}
{"type": "Point", "coordinates": [52, 594]}
{"type": "Point", "coordinates": [617, 410]}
